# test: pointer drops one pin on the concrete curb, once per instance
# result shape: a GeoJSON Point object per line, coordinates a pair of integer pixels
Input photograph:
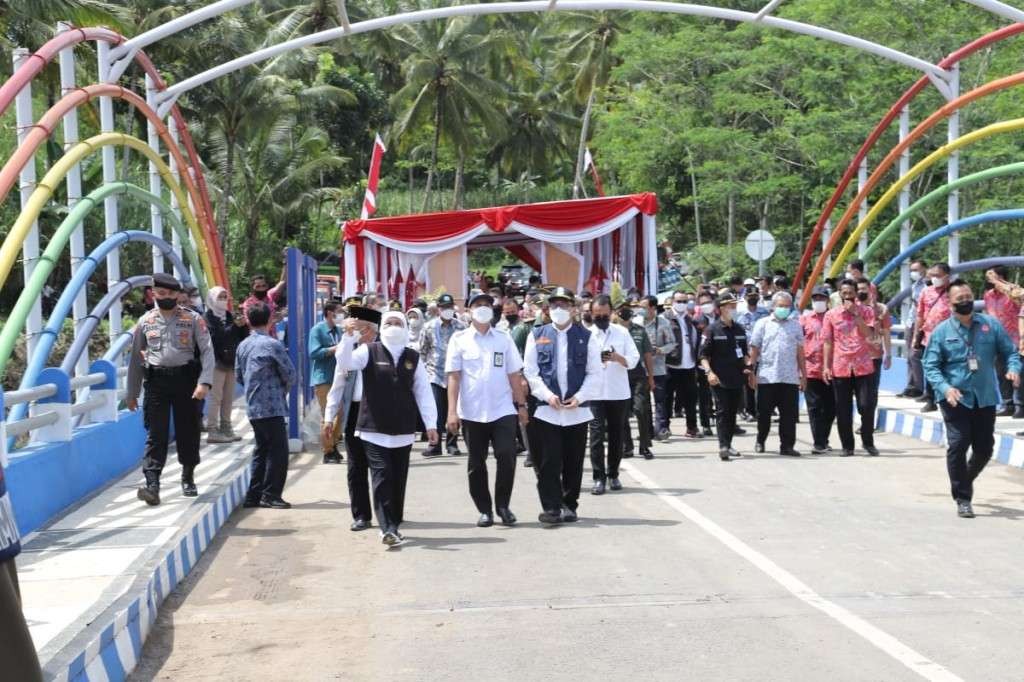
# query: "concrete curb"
{"type": "Point", "coordinates": [1009, 450]}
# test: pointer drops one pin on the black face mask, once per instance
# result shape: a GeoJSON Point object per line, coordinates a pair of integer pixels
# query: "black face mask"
{"type": "Point", "coordinates": [587, 318]}
{"type": "Point", "coordinates": [752, 302]}
{"type": "Point", "coordinates": [964, 307]}
{"type": "Point", "coordinates": [167, 303]}
{"type": "Point", "coordinates": [862, 296]}
{"type": "Point", "coordinates": [260, 294]}
{"type": "Point", "coordinates": [602, 322]}
{"type": "Point", "coordinates": [512, 320]}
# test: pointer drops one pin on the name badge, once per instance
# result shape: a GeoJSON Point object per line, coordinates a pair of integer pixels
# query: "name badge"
{"type": "Point", "coordinates": [972, 363]}
{"type": "Point", "coordinates": [739, 352]}
{"type": "Point", "coordinates": [499, 359]}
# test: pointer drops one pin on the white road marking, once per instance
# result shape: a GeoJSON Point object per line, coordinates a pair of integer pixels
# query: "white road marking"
{"type": "Point", "coordinates": [923, 666]}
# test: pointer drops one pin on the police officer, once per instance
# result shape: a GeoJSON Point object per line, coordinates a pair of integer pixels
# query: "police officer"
{"type": "Point", "coordinates": [724, 357]}
{"type": "Point", "coordinates": [164, 354]}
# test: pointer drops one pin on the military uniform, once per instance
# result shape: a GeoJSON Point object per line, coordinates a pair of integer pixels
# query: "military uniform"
{"type": "Point", "coordinates": [173, 355]}
{"type": "Point", "coordinates": [641, 392]}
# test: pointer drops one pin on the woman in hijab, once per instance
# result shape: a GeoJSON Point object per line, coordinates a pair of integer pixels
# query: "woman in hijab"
{"type": "Point", "coordinates": [414, 318]}
{"type": "Point", "coordinates": [226, 332]}
{"type": "Point", "coordinates": [395, 388]}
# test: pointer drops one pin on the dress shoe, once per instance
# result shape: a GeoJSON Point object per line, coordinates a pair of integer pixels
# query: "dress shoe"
{"type": "Point", "coordinates": [615, 483]}
{"type": "Point", "coordinates": [433, 451]}
{"type": "Point", "coordinates": [871, 450]}
{"type": "Point", "coordinates": [1019, 412]}
{"type": "Point", "coordinates": [739, 431]}
{"type": "Point", "coordinates": [693, 434]}
{"type": "Point", "coordinates": [528, 462]}
{"type": "Point", "coordinates": [646, 453]}
{"type": "Point", "coordinates": [150, 494]}
{"type": "Point", "coordinates": [390, 538]}
{"type": "Point", "coordinates": [569, 516]}
{"type": "Point", "coordinates": [520, 449]}
{"type": "Point", "coordinates": [708, 432]}
{"type": "Point", "coordinates": [1005, 411]}
{"type": "Point", "coordinates": [664, 435]}
{"type": "Point", "coordinates": [550, 517]}
{"type": "Point", "coordinates": [598, 488]}
{"type": "Point", "coordinates": [506, 516]}
{"type": "Point", "coordinates": [846, 453]}
{"type": "Point", "coordinates": [929, 407]}
{"type": "Point", "coordinates": [359, 524]}
{"type": "Point", "coordinates": [759, 448]}
{"type": "Point", "coordinates": [188, 488]}
{"type": "Point", "coordinates": [964, 509]}
{"type": "Point", "coordinates": [486, 520]}
{"type": "Point", "coordinates": [821, 450]}
{"type": "Point", "coordinates": [723, 454]}
{"type": "Point", "coordinates": [249, 503]}
{"type": "Point", "coordinates": [454, 451]}
{"type": "Point", "coordinates": [789, 452]}
{"type": "Point", "coordinates": [627, 455]}
{"type": "Point", "coordinates": [274, 503]}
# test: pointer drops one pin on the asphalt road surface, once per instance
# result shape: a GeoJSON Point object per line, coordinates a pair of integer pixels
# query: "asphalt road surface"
{"type": "Point", "coordinates": [764, 568]}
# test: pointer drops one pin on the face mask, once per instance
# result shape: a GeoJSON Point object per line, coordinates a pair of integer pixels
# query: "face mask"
{"type": "Point", "coordinates": [639, 312]}
{"type": "Point", "coordinates": [679, 307]}
{"type": "Point", "coordinates": [819, 306]}
{"type": "Point", "coordinates": [964, 307]}
{"type": "Point", "coordinates": [938, 281]}
{"type": "Point", "coordinates": [691, 306]}
{"type": "Point", "coordinates": [447, 313]}
{"type": "Point", "coordinates": [559, 316]}
{"type": "Point", "coordinates": [602, 322]}
{"type": "Point", "coordinates": [588, 318]}
{"type": "Point", "coordinates": [415, 323]}
{"type": "Point", "coordinates": [862, 296]}
{"type": "Point", "coordinates": [639, 320]}
{"type": "Point", "coordinates": [512, 320]}
{"type": "Point", "coordinates": [394, 336]}
{"type": "Point", "coordinates": [167, 303]}
{"type": "Point", "coordinates": [915, 275]}
{"type": "Point", "coordinates": [752, 303]}
{"type": "Point", "coordinates": [707, 308]}
{"type": "Point", "coordinates": [482, 314]}
{"type": "Point", "coordinates": [219, 306]}
{"type": "Point", "coordinates": [782, 313]}
{"type": "Point", "coordinates": [726, 313]}
{"type": "Point", "coordinates": [260, 294]}
{"type": "Point", "coordinates": [196, 301]}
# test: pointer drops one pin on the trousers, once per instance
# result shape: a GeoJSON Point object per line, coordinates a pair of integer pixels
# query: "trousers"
{"type": "Point", "coordinates": [785, 397]}
{"type": "Point", "coordinates": [660, 391]}
{"type": "Point", "coordinates": [501, 436]}
{"type": "Point", "coordinates": [269, 458]}
{"type": "Point", "coordinates": [321, 391]}
{"type": "Point", "coordinates": [608, 424]}
{"type": "Point", "coordinates": [390, 470]}
{"type": "Point", "coordinates": [558, 453]}
{"type": "Point", "coordinates": [821, 410]}
{"type": "Point", "coordinates": [167, 395]}
{"type": "Point", "coordinates": [640, 408]}
{"type": "Point", "coordinates": [967, 429]}
{"type": "Point", "coordinates": [358, 469]}
{"type": "Point", "coordinates": [915, 371]}
{"type": "Point", "coordinates": [220, 400]}
{"type": "Point", "coordinates": [441, 401]}
{"type": "Point", "coordinates": [704, 400]}
{"type": "Point", "coordinates": [17, 653]}
{"type": "Point", "coordinates": [846, 388]}
{"type": "Point", "coordinates": [729, 401]}
{"type": "Point", "coordinates": [682, 389]}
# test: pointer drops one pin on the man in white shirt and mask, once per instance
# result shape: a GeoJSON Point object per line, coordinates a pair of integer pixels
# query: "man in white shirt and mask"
{"type": "Point", "coordinates": [681, 364]}
{"type": "Point", "coordinates": [611, 407]}
{"type": "Point", "coordinates": [395, 387]}
{"type": "Point", "coordinates": [562, 364]}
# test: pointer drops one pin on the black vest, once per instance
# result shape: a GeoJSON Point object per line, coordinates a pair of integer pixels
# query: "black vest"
{"type": "Point", "coordinates": [388, 405]}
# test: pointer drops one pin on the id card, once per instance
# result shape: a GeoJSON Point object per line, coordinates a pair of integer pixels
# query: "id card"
{"type": "Point", "coordinates": [499, 359]}
{"type": "Point", "coordinates": [972, 363]}
{"type": "Point", "coordinates": [739, 352]}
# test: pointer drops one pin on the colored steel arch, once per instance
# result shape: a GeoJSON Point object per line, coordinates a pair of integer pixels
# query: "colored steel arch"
{"type": "Point", "coordinates": [935, 195]}
{"type": "Point", "coordinates": [946, 230]}
{"type": "Point", "coordinates": [942, 152]}
{"type": "Point", "coordinates": [116, 292]}
{"type": "Point", "coordinates": [44, 190]}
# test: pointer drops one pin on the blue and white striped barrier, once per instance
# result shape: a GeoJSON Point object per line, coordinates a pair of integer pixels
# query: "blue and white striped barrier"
{"type": "Point", "coordinates": [1008, 449]}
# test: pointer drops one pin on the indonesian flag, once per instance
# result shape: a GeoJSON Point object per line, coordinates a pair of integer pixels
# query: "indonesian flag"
{"type": "Point", "coordinates": [588, 163]}
{"type": "Point", "coordinates": [370, 201]}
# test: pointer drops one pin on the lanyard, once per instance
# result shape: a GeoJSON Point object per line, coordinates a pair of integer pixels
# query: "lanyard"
{"type": "Point", "coordinates": [969, 340]}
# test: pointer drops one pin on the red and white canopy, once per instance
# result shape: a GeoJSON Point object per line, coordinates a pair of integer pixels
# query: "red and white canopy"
{"type": "Point", "coordinates": [614, 236]}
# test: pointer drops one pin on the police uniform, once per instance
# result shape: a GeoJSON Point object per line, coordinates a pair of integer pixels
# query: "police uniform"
{"type": "Point", "coordinates": [172, 354]}
{"type": "Point", "coordinates": [725, 349]}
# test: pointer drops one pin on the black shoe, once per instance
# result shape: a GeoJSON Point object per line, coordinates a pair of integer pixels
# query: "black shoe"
{"type": "Point", "coordinates": [646, 454]}
{"type": "Point", "coordinates": [739, 431]}
{"type": "Point", "coordinates": [333, 457]}
{"type": "Point", "coordinates": [359, 524]}
{"type": "Point", "coordinates": [520, 449]}
{"type": "Point", "coordinates": [923, 398]}
{"type": "Point", "coordinates": [1019, 412]}
{"type": "Point", "coordinates": [789, 452]}
{"type": "Point", "coordinates": [550, 517]}
{"type": "Point", "coordinates": [759, 448]}
{"type": "Point", "coordinates": [188, 489]}
{"type": "Point", "coordinates": [390, 538]}
{"type": "Point", "coordinates": [846, 453]}
{"type": "Point", "coordinates": [434, 451]}
{"type": "Point", "coordinates": [627, 455]}
{"type": "Point", "coordinates": [326, 459]}
{"type": "Point", "coordinates": [664, 435]}
{"type": "Point", "coordinates": [454, 451]}
{"type": "Point", "coordinates": [486, 520]}
{"type": "Point", "coordinates": [506, 516]}
{"type": "Point", "coordinates": [615, 483]}
{"type": "Point", "coordinates": [821, 450]}
{"type": "Point", "coordinates": [929, 407]}
{"type": "Point", "coordinates": [678, 415]}
{"type": "Point", "coordinates": [250, 503]}
{"type": "Point", "coordinates": [708, 432]}
{"type": "Point", "coordinates": [964, 509]}
{"type": "Point", "coordinates": [598, 488]}
{"type": "Point", "coordinates": [1005, 411]}
{"type": "Point", "coordinates": [150, 494]}
{"type": "Point", "coordinates": [528, 463]}
{"type": "Point", "coordinates": [723, 454]}
{"type": "Point", "coordinates": [569, 516]}
{"type": "Point", "coordinates": [274, 503]}
{"type": "Point", "coordinates": [871, 450]}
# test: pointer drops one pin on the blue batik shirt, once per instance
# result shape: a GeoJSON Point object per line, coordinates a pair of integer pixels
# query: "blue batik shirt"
{"type": "Point", "coordinates": [262, 365]}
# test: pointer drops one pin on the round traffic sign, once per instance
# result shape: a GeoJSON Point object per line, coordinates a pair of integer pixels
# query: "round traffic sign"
{"type": "Point", "coordinates": [760, 245]}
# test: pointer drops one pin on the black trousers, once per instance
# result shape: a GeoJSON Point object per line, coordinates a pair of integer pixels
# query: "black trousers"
{"type": "Point", "coordinates": [166, 395]}
{"type": "Point", "coordinates": [821, 410]}
{"type": "Point", "coordinates": [558, 462]}
{"type": "Point", "coordinates": [704, 400]}
{"type": "Point", "coordinates": [269, 458]}
{"type": "Point", "coordinates": [390, 470]}
{"type": "Point", "coordinates": [660, 391]}
{"type": "Point", "coordinates": [1007, 392]}
{"type": "Point", "coordinates": [918, 355]}
{"type": "Point", "coordinates": [967, 429]}
{"type": "Point", "coordinates": [358, 469]}
{"type": "Point", "coordinates": [608, 424]}
{"type": "Point", "coordinates": [785, 397]}
{"type": "Point", "coordinates": [750, 400]}
{"type": "Point", "coordinates": [729, 401]}
{"type": "Point", "coordinates": [500, 435]}
{"type": "Point", "coordinates": [861, 388]}
{"type": "Point", "coordinates": [17, 652]}
{"type": "Point", "coordinates": [441, 401]}
{"type": "Point", "coordinates": [915, 372]}
{"type": "Point", "coordinates": [682, 389]}
{"type": "Point", "coordinates": [640, 407]}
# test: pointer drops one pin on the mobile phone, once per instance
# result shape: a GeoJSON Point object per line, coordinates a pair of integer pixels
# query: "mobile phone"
{"type": "Point", "coordinates": [606, 355]}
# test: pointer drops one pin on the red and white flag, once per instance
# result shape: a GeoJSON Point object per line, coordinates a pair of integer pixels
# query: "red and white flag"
{"type": "Point", "coordinates": [370, 201]}
{"type": "Point", "coordinates": [588, 163]}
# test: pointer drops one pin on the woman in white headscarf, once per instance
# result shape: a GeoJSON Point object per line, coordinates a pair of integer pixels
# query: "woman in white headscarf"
{"type": "Point", "coordinates": [226, 332]}
{"type": "Point", "coordinates": [414, 317]}
{"type": "Point", "coordinates": [395, 388]}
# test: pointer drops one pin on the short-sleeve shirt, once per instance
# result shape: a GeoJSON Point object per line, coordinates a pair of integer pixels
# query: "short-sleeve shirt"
{"type": "Point", "coordinates": [777, 342]}
{"type": "Point", "coordinates": [484, 361]}
{"type": "Point", "coordinates": [884, 327]}
{"type": "Point", "coordinates": [1006, 311]}
{"type": "Point", "coordinates": [851, 350]}
{"type": "Point", "coordinates": [933, 308]}
{"type": "Point", "coordinates": [644, 346]}
{"type": "Point", "coordinates": [814, 343]}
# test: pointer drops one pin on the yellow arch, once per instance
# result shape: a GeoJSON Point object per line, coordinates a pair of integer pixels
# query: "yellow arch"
{"type": "Point", "coordinates": [894, 190]}
{"type": "Point", "coordinates": [44, 191]}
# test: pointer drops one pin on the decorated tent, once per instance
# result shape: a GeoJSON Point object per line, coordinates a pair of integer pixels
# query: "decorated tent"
{"type": "Point", "coordinates": [584, 243]}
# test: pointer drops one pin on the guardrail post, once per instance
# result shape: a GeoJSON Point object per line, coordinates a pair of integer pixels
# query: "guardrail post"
{"type": "Point", "coordinates": [59, 402]}
{"type": "Point", "coordinates": [107, 412]}
{"type": "Point", "coordinates": [3, 432]}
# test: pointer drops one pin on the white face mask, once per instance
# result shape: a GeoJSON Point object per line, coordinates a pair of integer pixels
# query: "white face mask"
{"type": "Point", "coordinates": [483, 314]}
{"type": "Point", "coordinates": [447, 313]}
{"type": "Point", "coordinates": [196, 301]}
{"type": "Point", "coordinates": [707, 308]}
{"type": "Point", "coordinates": [639, 319]}
{"type": "Point", "coordinates": [819, 306]}
{"type": "Point", "coordinates": [938, 281]}
{"type": "Point", "coordinates": [559, 316]}
{"type": "Point", "coordinates": [679, 307]}
{"type": "Point", "coordinates": [394, 336]}
{"type": "Point", "coordinates": [915, 275]}
{"type": "Point", "coordinates": [414, 322]}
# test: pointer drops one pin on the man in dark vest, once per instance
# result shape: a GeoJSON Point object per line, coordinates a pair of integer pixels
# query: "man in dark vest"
{"type": "Point", "coordinates": [563, 366]}
{"type": "Point", "coordinates": [395, 387]}
{"type": "Point", "coordinates": [681, 364]}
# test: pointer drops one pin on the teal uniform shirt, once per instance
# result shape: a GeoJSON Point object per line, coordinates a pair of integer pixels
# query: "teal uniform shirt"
{"type": "Point", "coordinates": [947, 363]}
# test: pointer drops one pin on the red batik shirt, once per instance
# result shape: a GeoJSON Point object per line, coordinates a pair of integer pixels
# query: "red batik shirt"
{"type": "Point", "coordinates": [934, 309]}
{"type": "Point", "coordinates": [851, 350]}
{"type": "Point", "coordinates": [814, 344]}
{"type": "Point", "coordinates": [1006, 310]}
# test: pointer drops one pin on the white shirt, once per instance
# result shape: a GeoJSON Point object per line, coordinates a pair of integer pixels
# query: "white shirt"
{"type": "Point", "coordinates": [615, 377]}
{"type": "Point", "coordinates": [590, 389]}
{"type": "Point", "coordinates": [334, 396]}
{"type": "Point", "coordinates": [686, 352]}
{"type": "Point", "coordinates": [353, 359]}
{"type": "Point", "coordinates": [484, 362]}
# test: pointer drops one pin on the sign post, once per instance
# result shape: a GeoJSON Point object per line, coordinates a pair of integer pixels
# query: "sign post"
{"type": "Point", "coordinates": [760, 245]}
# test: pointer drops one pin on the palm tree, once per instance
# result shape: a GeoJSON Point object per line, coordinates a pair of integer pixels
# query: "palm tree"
{"type": "Point", "coordinates": [30, 23]}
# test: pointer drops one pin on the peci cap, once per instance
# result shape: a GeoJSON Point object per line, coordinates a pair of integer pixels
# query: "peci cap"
{"type": "Point", "coordinates": [165, 281]}
{"type": "Point", "coordinates": [361, 312]}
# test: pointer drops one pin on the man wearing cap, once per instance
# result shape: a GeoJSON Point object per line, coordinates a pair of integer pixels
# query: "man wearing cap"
{"type": "Point", "coordinates": [395, 387]}
{"type": "Point", "coordinates": [821, 400]}
{"type": "Point", "coordinates": [485, 393]}
{"type": "Point", "coordinates": [562, 363]}
{"type": "Point", "coordinates": [164, 352]}
{"type": "Point", "coordinates": [724, 357]}
{"type": "Point", "coordinates": [323, 342]}
{"type": "Point", "coordinates": [433, 348]}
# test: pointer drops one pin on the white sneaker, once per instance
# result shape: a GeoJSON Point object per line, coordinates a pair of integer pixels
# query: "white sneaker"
{"type": "Point", "coordinates": [218, 437]}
